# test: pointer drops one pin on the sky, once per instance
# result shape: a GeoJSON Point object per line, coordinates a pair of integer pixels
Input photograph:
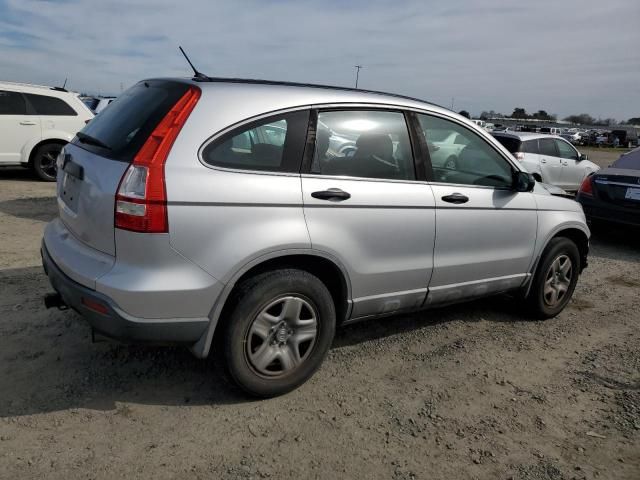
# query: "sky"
{"type": "Point", "coordinates": [562, 56]}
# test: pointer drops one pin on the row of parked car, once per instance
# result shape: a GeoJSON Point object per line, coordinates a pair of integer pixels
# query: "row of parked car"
{"type": "Point", "coordinates": [619, 137]}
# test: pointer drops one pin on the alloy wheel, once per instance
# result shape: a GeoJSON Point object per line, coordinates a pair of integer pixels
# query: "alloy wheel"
{"type": "Point", "coordinates": [557, 280]}
{"type": "Point", "coordinates": [281, 336]}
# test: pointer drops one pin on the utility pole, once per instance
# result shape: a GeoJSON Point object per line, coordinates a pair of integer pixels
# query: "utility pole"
{"type": "Point", "coordinates": [358, 67]}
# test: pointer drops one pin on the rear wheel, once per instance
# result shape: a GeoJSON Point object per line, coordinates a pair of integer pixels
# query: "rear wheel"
{"type": "Point", "coordinates": [555, 279]}
{"type": "Point", "coordinates": [279, 331]}
{"type": "Point", "coordinates": [44, 161]}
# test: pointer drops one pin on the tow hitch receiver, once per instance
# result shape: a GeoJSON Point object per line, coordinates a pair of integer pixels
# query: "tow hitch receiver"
{"type": "Point", "coordinates": [54, 300]}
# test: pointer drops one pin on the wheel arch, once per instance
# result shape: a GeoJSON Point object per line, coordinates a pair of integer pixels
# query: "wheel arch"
{"type": "Point", "coordinates": [46, 141]}
{"type": "Point", "coordinates": [326, 267]}
{"type": "Point", "coordinates": [574, 232]}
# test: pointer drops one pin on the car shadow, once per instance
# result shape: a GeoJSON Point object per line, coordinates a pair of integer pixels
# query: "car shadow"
{"type": "Point", "coordinates": [48, 363]}
{"type": "Point", "coordinates": [43, 209]}
{"type": "Point", "coordinates": [17, 173]}
{"type": "Point", "coordinates": [615, 242]}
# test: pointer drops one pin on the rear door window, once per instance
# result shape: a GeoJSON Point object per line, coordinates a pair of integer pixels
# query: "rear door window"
{"type": "Point", "coordinates": [123, 128]}
{"type": "Point", "coordinates": [530, 146]}
{"type": "Point", "coordinates": [12, 103]}
{"type": "Point", "coordinates": [547, 147]}
{"type": "Point", "coordinates": [46, 105]}
{"type": "Point", "coordinates": [274, 144]}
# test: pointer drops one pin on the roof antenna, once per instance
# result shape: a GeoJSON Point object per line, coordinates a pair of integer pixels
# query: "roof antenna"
{"type": "Point", "coordinates": [65, 83]}
{"type": "Point", "coordinates": [197, 75]}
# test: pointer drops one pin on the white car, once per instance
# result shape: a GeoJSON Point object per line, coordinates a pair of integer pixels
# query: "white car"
{"type": "Point", "coordinates": [445, 147]}
{"type": "Point", "coordinates": [35, 123]}
{"type": "Point", "coordinates": [549, 158]}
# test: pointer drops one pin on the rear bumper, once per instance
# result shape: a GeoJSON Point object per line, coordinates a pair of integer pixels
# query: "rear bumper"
{"type": "Point", "coordinates": [598, 210]}
{"type": "Point", "coordinates": [113, 322]}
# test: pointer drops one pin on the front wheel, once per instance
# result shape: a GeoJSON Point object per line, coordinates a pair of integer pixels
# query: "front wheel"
{"type": "Point", "coordinates": [555, 279]}
{"type": "Point", "coordinates": [44, 161]}
{"type": "Point", "coordinates": [279, 331]}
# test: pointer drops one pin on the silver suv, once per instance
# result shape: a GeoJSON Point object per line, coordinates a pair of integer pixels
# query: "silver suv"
{"type": "Point", "coordinates": [250, 218]}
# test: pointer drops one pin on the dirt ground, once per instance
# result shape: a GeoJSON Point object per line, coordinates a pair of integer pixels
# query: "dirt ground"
{"type": "Point", "coordinates": [471, 391]}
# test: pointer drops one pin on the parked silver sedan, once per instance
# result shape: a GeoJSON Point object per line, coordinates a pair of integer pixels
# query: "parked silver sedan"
{"type": "Point", "coordinates": [214, 213]}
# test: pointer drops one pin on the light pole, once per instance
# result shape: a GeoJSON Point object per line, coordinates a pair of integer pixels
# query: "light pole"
{"type": "Point", "coordinates": [358, 67]}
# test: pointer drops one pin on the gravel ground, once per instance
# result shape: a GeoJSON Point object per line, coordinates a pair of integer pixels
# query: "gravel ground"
{"type": "Point", "coordinates": [471, 391]}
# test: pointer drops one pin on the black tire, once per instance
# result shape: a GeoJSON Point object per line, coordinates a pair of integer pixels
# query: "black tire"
{"type": "Point", "coordinates": [44, 161]}
{"type": "Point", "coordinates": [252, 299]}
{"type": "Point", "coordinates": [539, 305]}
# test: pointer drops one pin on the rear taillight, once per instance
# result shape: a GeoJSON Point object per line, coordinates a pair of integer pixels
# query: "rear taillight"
{"type": "Point", "coordinates": [141, 201]}
{"type": "Point", "coordinates": [519, 156]}
{"type": "Point", "coordinates": [586, 188]}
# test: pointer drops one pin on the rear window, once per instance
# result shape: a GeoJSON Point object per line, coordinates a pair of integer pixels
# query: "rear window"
{"type": "Point", "coordinates": [510, 143]}
{"type": "Point", "coordinates": [630, 161]}
{"type": "Point", "coordinates": [123, 128]}
{"type": "Point", "coordinates": [45, 105]}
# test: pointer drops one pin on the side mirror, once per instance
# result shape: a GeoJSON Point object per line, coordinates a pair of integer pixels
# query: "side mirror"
{"type": "Point", "coordinates": [523, 181]}
{"type": "Point", "coordinates": [583, 156]}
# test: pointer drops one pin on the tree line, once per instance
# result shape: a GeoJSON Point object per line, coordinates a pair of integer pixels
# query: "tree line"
{"type": "Point", "coordinates": [579, 119]}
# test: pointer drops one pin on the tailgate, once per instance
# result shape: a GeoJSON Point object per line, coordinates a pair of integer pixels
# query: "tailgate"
{"type": "Point", "coordinates": [93, 164]}
{"type": "Point", "coordinates": [87, 185]}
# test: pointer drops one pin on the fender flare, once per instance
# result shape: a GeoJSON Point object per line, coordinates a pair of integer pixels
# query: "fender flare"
{"type": "Point", "coordinates": [202, 347]}
{"type": "Point", "coordinates": [548, 238]}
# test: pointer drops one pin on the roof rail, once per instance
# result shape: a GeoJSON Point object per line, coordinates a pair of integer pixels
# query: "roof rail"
{"type": "Point", "coordinates": [311, 85]}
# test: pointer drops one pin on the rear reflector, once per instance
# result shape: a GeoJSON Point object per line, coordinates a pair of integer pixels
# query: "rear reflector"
{"type": "Point", "coordinates": [141, 201]}
{"type": "Point", "coordinates": [94, 305]}
{"type": "Point", "coordinates": [586, 188]}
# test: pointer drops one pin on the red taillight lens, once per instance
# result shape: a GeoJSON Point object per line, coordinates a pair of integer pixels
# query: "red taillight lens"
{"type": "Point", "coordinates": [586, 188]}
{"type": "Point", "coordinates": [519, 156]}
{"type": "Point", "coordinates": [141, 201]}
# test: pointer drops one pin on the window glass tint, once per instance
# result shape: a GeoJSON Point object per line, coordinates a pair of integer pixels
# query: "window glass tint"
{"type": "Point", "coordinates": [130, 119]}
{"type": "Point", "coordinates": [629, 161]}
{"type": "Point", "coordinates": [530, 146]}
{"type": "Point", "coordinates": [547, 147]}
{"type": "Point", "coordinates": [510, 143]}
{"type": "Point", "coordinates": [11, 103]}
{"type": "Point", "coordinates": [363, 143]}
{"type": "Point", "coordinates": [275, 144]}
{"type": "Point", "coordinates": [469, 162]}
{"type": "Point", "coordinates": [566, 150]}
{"type": "Point", "coordinates": [45, 105]}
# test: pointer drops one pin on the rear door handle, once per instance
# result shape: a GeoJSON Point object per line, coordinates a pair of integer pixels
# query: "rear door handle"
{"type": "Point", "coordinates": [456, 198]}
{"type": "Point", "coordinates": [544, 160]}
{"type": "Point", "coordinates": [332, 194]}
{"type": "Point", "coordinates": [27, 122]}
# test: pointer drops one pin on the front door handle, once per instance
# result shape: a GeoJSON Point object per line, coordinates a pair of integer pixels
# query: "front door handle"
{"type": "Point", "coordinates": [332, 194]}
{"type": "Point", "coordinates": [27, 122]}
{"type": "Point", "coordinates": [456, 198]}
{"type": "Point", "coordinates": [544, 160]}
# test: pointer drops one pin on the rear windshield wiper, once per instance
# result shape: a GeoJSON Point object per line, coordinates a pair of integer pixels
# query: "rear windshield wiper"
{"type": "Point", "coordinates": [84, 138]}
